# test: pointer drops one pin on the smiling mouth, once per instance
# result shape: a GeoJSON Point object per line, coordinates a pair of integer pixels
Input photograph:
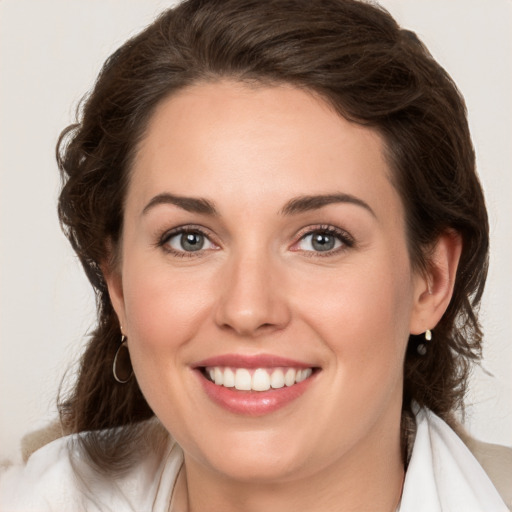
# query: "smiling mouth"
{"type": "Point", "coordinates": [256, 379]}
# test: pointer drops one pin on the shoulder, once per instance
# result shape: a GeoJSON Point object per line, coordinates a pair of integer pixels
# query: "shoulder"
{"type": "Point", "coordinates": [58, 477]}
{"type": "Point", "coordinates": [496, 460]}
{"type": "Point", "coordinates": [460, 469]}
{"type": "Point", "coordinates": [45, 482]}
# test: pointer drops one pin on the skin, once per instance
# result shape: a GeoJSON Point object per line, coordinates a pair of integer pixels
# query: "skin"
{"type": "Point", "coordinates": [259, 286]}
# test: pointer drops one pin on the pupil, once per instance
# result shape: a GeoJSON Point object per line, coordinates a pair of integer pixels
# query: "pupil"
{"type": "Point", "coordinates": [192, 241]}
{"type": "Point", "coordinates": [323, 242]}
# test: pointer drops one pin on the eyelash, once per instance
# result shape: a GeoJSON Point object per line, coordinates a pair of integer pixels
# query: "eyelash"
{"type": "Point", "coordinates": [182, 230]}
{"type": "Point", "coordinates": [347, 241]}
{"type": "Point", "coordinates": [343, 236]}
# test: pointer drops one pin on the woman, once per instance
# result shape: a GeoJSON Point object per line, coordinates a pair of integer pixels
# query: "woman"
{"type": "Point", "coordinates": [277, 206]}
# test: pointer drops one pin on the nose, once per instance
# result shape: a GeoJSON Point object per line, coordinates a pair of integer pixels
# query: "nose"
{"type": "Point", "coordinates": [252, 299]}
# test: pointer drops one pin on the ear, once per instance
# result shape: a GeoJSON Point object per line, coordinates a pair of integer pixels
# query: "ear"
{"type": "Point", "coordinates": [113, 278]}
{"type": "Point", "coordinates": [433, 289]}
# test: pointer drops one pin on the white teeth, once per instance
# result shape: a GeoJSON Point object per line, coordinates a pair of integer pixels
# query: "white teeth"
{"type": "Point", "coordinates": [277, 379]}
{"type": "Point", "coordinates": [218, 376]}
{"type": "Point", "coordinates": [289, 377]}
{"type": "Point", "coordinates": [229, 378]}
{"type": "Point", "coordinates": [260, 379]}
{"type": "Point", "coordinates": [303, 374]}
{"type": "Point", "coordinates": [242, 379]}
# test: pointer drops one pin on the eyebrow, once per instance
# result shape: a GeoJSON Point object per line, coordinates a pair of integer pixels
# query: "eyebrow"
{"type": "Point", "coordinates": [294, 206]}
{"type": "Point", "coordinates": [190, 204]}
{"type": "Point", "coordinates": [307, 203]}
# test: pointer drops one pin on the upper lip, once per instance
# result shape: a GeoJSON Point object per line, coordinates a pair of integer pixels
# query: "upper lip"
{"type": "Point", "coordinates": [251, 361]}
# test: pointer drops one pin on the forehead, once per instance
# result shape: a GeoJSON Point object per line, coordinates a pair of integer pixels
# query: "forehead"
{"type": "Point", "coordinates": [232, 140]}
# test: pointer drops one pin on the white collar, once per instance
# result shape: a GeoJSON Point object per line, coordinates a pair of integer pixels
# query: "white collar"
{"type": "Point", "coordinates": [443, 475]}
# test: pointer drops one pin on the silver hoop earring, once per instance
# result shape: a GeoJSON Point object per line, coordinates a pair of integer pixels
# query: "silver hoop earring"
{"type": "Point", "coordinates": [422, 347]}
{"type": "Point", "coordinates": [122, 366]}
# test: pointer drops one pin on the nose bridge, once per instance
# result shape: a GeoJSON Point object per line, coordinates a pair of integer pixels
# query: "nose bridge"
{"type": "Point", "coordinates": [250, 300]}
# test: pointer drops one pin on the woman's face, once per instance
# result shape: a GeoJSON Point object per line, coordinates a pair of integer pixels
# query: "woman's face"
{"type": "Point", "coordinates": [264, 244]}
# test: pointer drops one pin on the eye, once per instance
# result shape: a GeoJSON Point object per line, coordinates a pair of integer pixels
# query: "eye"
{"type": "Point", "coordinates": [319, 241]}
{"type": "Point", "coordinates": [325, 240]}
{"type": "Point", "coordinates": [186, 241]}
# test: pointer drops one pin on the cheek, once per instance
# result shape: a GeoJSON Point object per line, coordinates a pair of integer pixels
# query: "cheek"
{"type": "Point", "coordinates": [164, 310]}
{"type": "Point", "coordinates": [159, 302]}
{"type": "Point", "coordinates": [362, 313]}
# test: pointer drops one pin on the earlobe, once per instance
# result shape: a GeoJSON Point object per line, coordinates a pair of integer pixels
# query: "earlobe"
{"type": "Point", "coordinates": [433, 291]}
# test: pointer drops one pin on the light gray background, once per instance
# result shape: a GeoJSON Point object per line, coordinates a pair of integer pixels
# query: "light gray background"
{"type": "Point", "coordinates": [50, 53]}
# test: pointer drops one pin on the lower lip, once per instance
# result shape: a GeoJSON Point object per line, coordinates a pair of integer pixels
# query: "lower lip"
{"type": "Point", "coordinates": [253, 403]}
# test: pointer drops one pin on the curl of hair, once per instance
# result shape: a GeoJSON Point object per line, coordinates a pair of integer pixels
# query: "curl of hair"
{"type": "Point", "coordinates": [354, 56]}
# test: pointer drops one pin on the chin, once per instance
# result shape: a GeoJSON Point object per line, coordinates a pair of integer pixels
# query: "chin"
{"type": "Point", "coordinates": [249, 457]}
{"type": "Point", "coordinates": [260, 468]}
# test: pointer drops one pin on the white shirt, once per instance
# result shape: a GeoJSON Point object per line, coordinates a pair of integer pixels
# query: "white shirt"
{"type": "Point", "coordinates": [442, 476]}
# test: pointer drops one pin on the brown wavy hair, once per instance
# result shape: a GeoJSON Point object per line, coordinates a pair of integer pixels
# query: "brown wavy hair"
{"type": "Point", "coordinates": [353, 55]}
